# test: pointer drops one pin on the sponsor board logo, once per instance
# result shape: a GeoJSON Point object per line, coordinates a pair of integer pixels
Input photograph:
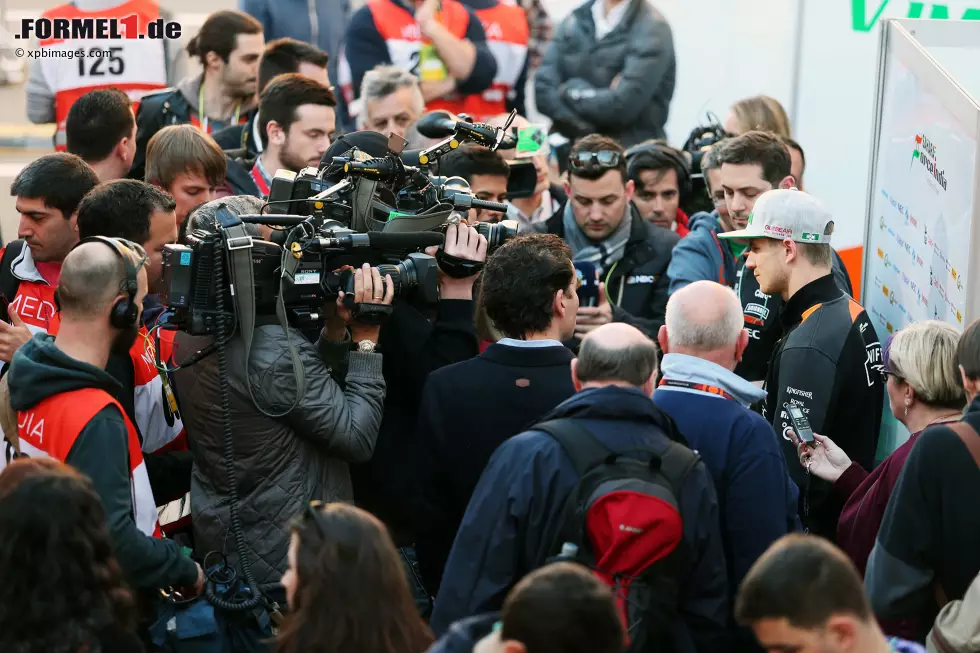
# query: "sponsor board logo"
{"type": "Point", "coordinates": [925, 152]}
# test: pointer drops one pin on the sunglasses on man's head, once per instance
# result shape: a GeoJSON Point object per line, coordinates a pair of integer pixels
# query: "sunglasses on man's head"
{"type": "Point", "coordinates": [602, 159]}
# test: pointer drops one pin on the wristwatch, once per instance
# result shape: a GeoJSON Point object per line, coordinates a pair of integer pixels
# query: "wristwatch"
{"type": "Point", "coordinates": [366, 346]}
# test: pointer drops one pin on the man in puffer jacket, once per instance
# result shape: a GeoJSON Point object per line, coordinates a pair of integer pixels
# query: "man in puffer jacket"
{"type": "Point", "coordinates": [702, 256]}
{"type": "Point", "coordinates": [281, 463]}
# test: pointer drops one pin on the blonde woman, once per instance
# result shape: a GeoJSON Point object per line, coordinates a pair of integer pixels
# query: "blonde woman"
{"type": "Point", "coordinates": [923, 387]}
{"type": "Point", "coordinates": [759, 113]}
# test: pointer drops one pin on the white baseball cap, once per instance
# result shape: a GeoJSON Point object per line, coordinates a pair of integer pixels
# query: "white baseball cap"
{"type": "Point", "coordinates": [787, 213]}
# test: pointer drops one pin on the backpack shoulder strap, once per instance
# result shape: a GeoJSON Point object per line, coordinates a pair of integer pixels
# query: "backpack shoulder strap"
{"type": "Point", "coordinates": [8, 282]}
{"type": "Point", "coordinates": [676, 463]}
{"type": "Point", "coordinates": [970, 438]}
{"type": "Point", "coordinates": [578, 442]}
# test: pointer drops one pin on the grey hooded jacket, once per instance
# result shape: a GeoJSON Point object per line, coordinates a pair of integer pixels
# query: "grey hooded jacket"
{"type": "Point", "coordinates": [573, 86]}
{"type": "Point", "coordinates": [280, 463]}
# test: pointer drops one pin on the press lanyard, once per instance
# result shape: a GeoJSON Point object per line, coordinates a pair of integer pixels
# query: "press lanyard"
{"type": "Point", "coordinates": [700, 387]}
{"type": "Point", "coordinates": [258, 176]}
{"type": "Point", "coordinates": [202, 116]}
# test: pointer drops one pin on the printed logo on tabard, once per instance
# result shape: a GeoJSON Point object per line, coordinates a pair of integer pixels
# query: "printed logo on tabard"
{"type": "Point", "coordinates": [807, 236]}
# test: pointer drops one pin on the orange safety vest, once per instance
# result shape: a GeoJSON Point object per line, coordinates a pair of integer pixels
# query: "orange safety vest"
{"type": "Point", "coordinates": [154, 400]}
{"type": "Point", "coordinates": [50, 429]}
{"type": "Point", "coordinates": [407, 49]}
{"type": "Point", "coordinates": [34, 299]}
{"type": "Point", "coordinates": [507, 37]}
{"type": "Point", "coordinates": [133, 65]}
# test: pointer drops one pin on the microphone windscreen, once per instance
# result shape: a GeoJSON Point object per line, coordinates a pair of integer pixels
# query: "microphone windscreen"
{"type": "Point", "coordinates": [436, 124]}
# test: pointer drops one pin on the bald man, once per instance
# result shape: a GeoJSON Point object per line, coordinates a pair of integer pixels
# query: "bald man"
{"type": "Point", "coordinates": [547, 198]}
{"type": "Point", "coordinates": [511, 524]}
{"type": "Point", "coordinates": [703, 340]}
{"type": "Point", "coordinates": [67, 405]}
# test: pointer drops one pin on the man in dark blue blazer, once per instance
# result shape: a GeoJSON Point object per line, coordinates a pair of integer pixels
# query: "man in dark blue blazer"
{"type": "Point", "coordinates": [529, 296]}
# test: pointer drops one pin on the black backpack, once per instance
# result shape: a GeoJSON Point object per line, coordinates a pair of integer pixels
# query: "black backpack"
{"type": "Point", "coordinates": [623, 518]}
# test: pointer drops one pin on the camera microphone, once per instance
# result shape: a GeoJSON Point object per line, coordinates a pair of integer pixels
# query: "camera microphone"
{"type": "Point", "coordinates": [437, 124]}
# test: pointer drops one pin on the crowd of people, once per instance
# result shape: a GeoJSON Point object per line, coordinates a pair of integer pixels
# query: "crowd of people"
{"type": "Point", "coordinates": [592, 442]}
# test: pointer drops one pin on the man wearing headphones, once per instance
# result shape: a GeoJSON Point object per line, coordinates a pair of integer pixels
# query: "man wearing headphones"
{"type": "Point", "coordinates": [662, 178]}
{"type": "Point", "coordinates": [68, 406]}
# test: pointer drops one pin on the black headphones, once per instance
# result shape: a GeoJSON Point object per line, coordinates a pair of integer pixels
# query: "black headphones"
{"type": "Point", "coordinates": [125, 312]}
{"type": "Point", "coordinates": [677, 160]}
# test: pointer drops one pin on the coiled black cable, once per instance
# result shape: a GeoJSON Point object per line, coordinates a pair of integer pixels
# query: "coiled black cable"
{"type": "Point", "coordinates": [222, 337]}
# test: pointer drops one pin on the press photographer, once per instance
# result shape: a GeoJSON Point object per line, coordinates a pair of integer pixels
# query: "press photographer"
{"type": "Point", "coordinates": [282, 458]}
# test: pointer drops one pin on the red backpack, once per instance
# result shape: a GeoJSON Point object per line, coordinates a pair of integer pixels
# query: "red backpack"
{"type": "Point", "coordinates": [623, 518]}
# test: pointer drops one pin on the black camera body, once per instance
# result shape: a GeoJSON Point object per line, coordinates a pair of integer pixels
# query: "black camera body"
{"type": "Point", "coordinates": [350, 211]}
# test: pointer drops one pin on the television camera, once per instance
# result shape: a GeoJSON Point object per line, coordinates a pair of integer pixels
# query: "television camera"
{"type": "Point", "coordinates": [353, 209]}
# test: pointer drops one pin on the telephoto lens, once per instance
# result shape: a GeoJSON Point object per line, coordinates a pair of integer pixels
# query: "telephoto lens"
{"type": "Point", "coordinates": [497, 233]}
{"type": "Point", "coordinates": [416, 274]}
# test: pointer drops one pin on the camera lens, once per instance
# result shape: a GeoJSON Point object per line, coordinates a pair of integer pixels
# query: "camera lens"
{"type": "Point", "coordinates": [402, 275]}
{"type": "Point", "coordinates": [497, 233]}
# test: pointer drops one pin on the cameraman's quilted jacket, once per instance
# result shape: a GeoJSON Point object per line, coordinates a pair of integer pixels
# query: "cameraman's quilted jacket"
{"type": "Point", "coordinates": [280, 463]}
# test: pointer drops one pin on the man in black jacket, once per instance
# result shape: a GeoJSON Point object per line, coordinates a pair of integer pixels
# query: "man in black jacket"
{"type": "Point", "coordinates": [296, 123]}
{"type": "Point", "coordinates": [752, 164]}
{"type": "Point", "coordinates": [829, 360]}
{"type": "Point", "coordinates": [528, 291]}
{"type": "Point", "coordinates": [68, 406]}
{"type": "Point", "coordinates": [601, 226]}
{"type": "Point", "coordinates": [228, 45]}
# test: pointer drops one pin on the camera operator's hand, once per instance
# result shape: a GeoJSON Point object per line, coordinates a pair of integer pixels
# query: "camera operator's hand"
{"type": "Point", "coordinates": [464, 242]}
{"type": "Point", "coordinates": [199, 583]}
{"type": "Point", "coordinates": [368, 289]}
{"type": "Point", "coordinates": [590, 318]}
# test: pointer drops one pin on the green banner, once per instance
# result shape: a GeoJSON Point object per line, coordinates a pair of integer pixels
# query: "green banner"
{"type": "Point", "coordinates": [866, 13]}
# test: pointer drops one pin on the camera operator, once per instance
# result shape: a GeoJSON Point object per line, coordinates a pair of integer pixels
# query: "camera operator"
{"type": "Point", "coordinates": [282, 463]}
{"type": "Point", "coordinates": [281, 56]}
{"type": "Point", "coordinates": [663, 178]}
{"type": "Point", "coordinates": [415, 344]}
{"type": "Point", "coordinates": [603, 227]}
{"type": "Point", "coordinates": [486, 172]}
{"type": "Point", "coordinates": [296, 123]}
{"type": "Point", "coordinates": [101, 128]}
{"type": "Point", "coordinates": [31, 266]}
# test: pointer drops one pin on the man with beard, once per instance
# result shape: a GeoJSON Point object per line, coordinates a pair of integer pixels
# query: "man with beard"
{"type": "Point", "coordinates": [296, 123]}
{"type": "Point", "coordinates": [68, 406]}
{"type": "Point", "coordinates": [229, 46]}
